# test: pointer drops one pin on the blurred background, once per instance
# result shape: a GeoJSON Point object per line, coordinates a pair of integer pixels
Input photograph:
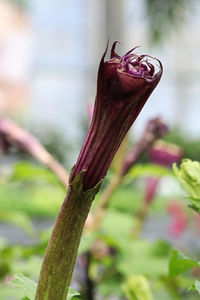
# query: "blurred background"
{"type": "Point", "coordinates": [50, 51]}
{"type": "Point", "coordinates": [49, 56]}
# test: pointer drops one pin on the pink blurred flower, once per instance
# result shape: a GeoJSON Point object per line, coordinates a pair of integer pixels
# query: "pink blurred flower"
{"type": "Point", "coordinates": [178, 219]}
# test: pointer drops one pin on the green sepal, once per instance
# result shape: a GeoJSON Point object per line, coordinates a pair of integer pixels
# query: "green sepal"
{"type": "Point", "coordinates": [77, 186]}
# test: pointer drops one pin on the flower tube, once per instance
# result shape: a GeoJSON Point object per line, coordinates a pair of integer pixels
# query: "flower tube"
{"type": "Point", "coordinates": [123, 86]}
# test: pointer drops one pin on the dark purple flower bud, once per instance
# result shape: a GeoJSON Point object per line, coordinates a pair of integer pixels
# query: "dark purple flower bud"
{"type": "Point", "coordinates": [123, 86]}
{"type": "Point", "coordinates": [165, 154]}
{"type": "Point", "coordinates": [156, 127]}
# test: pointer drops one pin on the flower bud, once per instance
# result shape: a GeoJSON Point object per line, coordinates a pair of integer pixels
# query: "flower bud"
{"type": "Point", "coordinates": [165, 154]}
{"type": "Point", "coordinates": [189, 176]}
{"type": "Point", "coordinates": [123, 86]}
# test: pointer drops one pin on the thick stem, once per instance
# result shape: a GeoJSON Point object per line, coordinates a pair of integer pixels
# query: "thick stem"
{"type": "Point", "coordinates": [61, 252]}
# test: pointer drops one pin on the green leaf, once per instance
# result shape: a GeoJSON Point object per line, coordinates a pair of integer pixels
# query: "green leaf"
{"type": "Point", "coordinates": [73, 295]}
{"type": "Point", "coordinates": [26, 284]}
{"type": "Point", "coordinates": [143, 257]}
{"type": "Point", "coordinates": [27, 171]}
{"type": "Point", "coordinates": [118, 226]}
{"type": "Point", "coordinates": [36, 199]}
{"type": "Point", "coordinates": [178, 264]}
{"type": "Point", "coordinates": [146, 170]}
{"type": "Point", "coordinates": [137, 288]}
{"type": "Point", "coordinates": [111, 284]}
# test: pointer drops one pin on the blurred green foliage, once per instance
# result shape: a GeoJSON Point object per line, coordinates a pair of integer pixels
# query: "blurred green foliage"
{"type": "Point", "coordinates": [31, 191]}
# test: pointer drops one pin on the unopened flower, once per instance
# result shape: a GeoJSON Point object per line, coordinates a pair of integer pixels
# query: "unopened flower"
{"type": "Point", "coordinates": [165, 154]}
{"type": "Point", "coordinates": [189, 176]}
{"type": "Point", "coordinates": [123, 86]}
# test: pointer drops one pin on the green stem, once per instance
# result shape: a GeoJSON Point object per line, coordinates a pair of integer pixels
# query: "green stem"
{"type": "Point", "coordinates": [61, 252]}
{"type": "Point", "coordinates": [139, 221]}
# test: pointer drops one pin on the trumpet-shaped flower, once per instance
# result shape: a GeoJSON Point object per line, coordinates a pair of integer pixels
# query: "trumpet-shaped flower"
{"type": "Point", "coordinates": [123, 86]}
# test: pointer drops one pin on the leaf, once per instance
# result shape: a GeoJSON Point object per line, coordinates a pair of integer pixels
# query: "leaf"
{"type": "Point", "coordinates": [107, 285]}
{"type": "Point", "coordinates": [137, 288]}
{"type": "Point", "coordinates": [37, 199]}
{"type": "Point", "coordinates": [144, 257]}
{"type": "Point", "coordinates": [178, 264]}
{"type": "Point", "coordinates": [146, 170]}
{"type": "Point", "coordinates": [73, 295]}
{"type": "Point", "coordinates": [28, 171]}
{"type": "Point", "coordinates": [118, 225]}
{"type": "Point", "coordinates": [26, 284]}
